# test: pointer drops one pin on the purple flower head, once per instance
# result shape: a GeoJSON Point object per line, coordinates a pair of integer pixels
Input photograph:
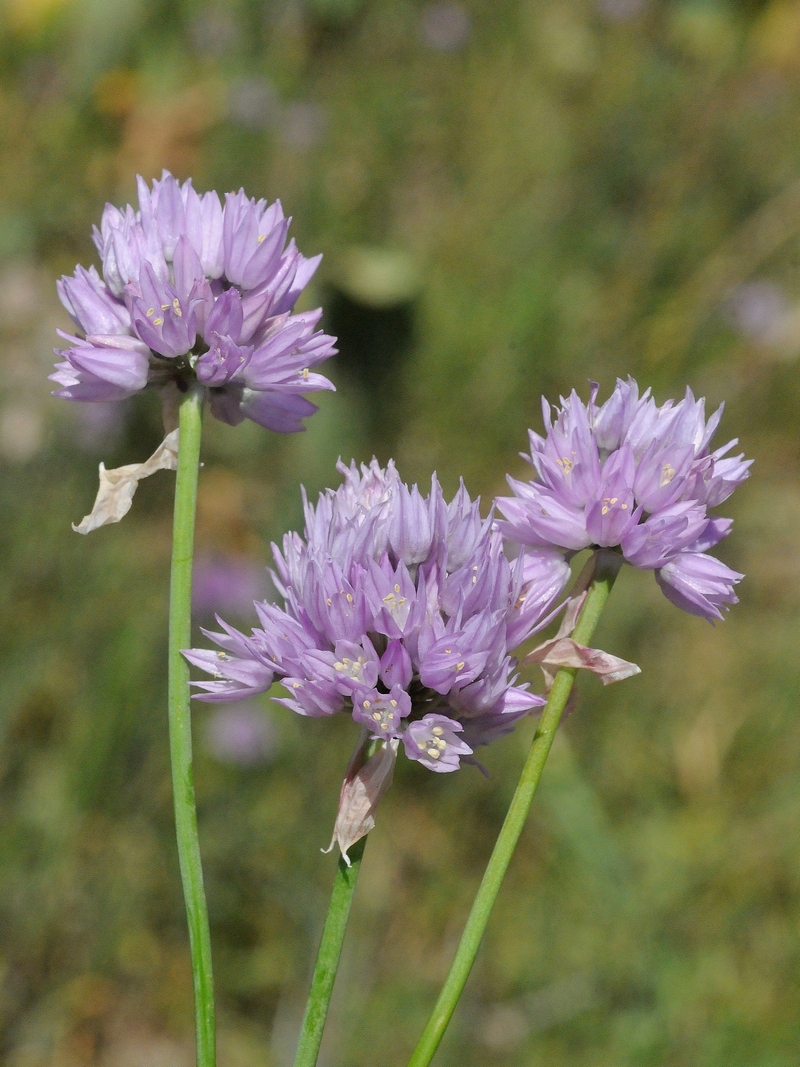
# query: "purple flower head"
{"type": "Point", "coordinates": [193, 290]}
{"type": "Point", "coordinates": [400, 610]}
{"type": "Point", "coordinates": [632, 476]}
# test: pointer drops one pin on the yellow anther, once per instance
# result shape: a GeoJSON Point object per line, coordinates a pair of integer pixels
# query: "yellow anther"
{"type": "Point", "coordinates": [397, 589]}
{"type": "Point", "coordinates": [460, 666]}
{"type": "Point", "coordinates": [604, 510]}
{"type": "Point", "coordinates": [392, 703]}
{"type": "Point", "coordinates": [165, 307]}
{"type": "Point", "coordinates": [376, 715]}
{"type": "Point", "coordinates": [437, 731]}
{"type": "Point", "coordinates": [367, 704]}
{"type": "Point", "coordinates": [305, 372]}
{"type": "Point", "coordinates": [349, 598]}
{"type": "Point", "coordinates": [667, 474]}
{"type": "Point", "coordinates": [623, 507]}
{"type": "Point", "coordinates": [151, 312]}
{"type": "Point", "coordinates": [177, 308]}
{"type": "Point", "coordinates": [434, 753]}
{"type": "Point", "coordinates": [157, 322]}
{"type": "Point", "coordinates": [338, 666]}
{"type": "Point", "coordinates": [261, 237]}
{"type": "Point", "coordinates": [221, 655]}
{"type": "Point", "coordinates": [448, 651]}
{"type": "Point", "coordinates": [441, 744]}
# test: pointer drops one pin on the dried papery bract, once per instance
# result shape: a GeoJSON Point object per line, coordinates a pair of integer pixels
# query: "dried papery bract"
{"type": "Point", "coordinates": [117, 486]}
{"type": "Point", "coordinates": [367, 779]}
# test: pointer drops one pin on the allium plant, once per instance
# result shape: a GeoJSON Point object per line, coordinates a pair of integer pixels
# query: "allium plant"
{"type": "Point", "coordinates": [196, 302]}
{"type": "Point", "coordinates": [636, 477]}
{"type": "Point", "coordinates": [632, 482]}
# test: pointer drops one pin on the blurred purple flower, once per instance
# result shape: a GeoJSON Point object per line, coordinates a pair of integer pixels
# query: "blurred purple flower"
{"type": "Point", "coordinates": [399, 609]}
{"type": "Point", "coordinates": [194, 291]}
{"type": "Point", "coordinates": [620, 10]}
{"type": "Point", "coordinates": [302, 125]}
{"type": "Point", "coordinates": [253, 102]}
{"type": "Point", "coordinates": [637, 477]}
{"type": "Point", "coordinates": [243, 735]}
{"type": "Point", "coordinates": [759, 310]}
{"type": "Point", "coordinates": [445, 26]}
{"type": "Point", "coordinates": [226, 583]}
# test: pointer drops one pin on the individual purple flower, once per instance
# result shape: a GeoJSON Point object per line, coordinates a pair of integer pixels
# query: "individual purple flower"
{"type": "Point", "coordinates": [399, 609]}
{"type": "Point", "coordinates": [638, 478]}
{"type": "Point", "coordinates": [196, 291]}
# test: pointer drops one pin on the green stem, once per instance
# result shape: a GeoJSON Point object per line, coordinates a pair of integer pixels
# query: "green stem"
{"type": "Point", "coordinates": [330, 950]}
{"type": "Point", "coordinates": [180, 722]}
{"type": "Point", "coordinates": [605, 569]}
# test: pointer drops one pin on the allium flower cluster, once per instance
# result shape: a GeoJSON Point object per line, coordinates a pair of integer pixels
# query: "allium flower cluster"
{"type": "Point", "coordinates": [631, 475]}
{"type": "Point", "coordinates": [399, 609]}
{"type": "Point", "coordinates": [194, 290]}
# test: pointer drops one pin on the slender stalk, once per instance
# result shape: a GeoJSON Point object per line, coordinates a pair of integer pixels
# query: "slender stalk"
{"type": "Point", "coordinates": [330, 949]}
{"type": "Point", "coordinates": [180, 722]}
{"type": "Point", "coordinates": [606, 567]}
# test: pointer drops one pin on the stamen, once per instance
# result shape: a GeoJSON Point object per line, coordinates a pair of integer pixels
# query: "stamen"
{"type": "Point", "coordinates": [667, 474]}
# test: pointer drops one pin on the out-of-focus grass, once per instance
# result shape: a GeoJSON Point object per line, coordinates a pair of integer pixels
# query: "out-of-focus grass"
{"type": "Point", "coordinates": [512, 199]}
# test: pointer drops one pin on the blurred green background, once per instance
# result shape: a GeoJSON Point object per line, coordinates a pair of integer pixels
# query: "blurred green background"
{"type": "Point", "coordinates": [512, 198]}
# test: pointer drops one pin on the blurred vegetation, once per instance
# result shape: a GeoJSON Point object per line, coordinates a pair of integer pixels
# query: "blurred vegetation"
{"type": "Point", "coordinates": [512, 198]}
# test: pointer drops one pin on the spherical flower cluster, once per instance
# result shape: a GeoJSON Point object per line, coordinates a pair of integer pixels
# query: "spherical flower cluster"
{"type": "Point", "coordinates": [638, 477]}
{"type": "Point", "coordinates": [196, 291]}
{"type": "Point", "coordinates": [399, 609]}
